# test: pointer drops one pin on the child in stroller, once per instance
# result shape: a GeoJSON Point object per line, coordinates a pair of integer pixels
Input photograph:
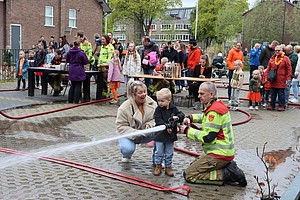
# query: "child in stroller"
{"type": "Point", "coordinates": [219, 63]}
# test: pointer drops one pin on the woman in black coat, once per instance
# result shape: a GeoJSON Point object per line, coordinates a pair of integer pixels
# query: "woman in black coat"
{"type": "Point", "coordinates": [202, 70]}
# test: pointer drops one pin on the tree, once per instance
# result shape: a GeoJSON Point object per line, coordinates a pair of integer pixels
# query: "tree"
{"type": "Point", "coordinates": [142, 11]}
{"type": "Point", "coordinates": [207, 16]}
{"type": "Point", "coordinates": [263, 22]}
{"type": "Point", "coordinates": [292, 24]}
{"type": "Point", "coordinates": [229, 20]}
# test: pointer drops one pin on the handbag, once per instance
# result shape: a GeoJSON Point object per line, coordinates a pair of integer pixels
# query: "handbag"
{"type": "Point", "coordinates": [272, 74]}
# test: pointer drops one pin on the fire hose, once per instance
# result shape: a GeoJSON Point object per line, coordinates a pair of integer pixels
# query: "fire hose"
{"type": "Point", "coordinates": [182, 190]}
{"type": "Point", "coordinates": [56, 110]}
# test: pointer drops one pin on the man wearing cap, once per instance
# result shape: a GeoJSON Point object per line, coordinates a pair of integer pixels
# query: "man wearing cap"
{"type": "Point", "coordinates": [193, 60]}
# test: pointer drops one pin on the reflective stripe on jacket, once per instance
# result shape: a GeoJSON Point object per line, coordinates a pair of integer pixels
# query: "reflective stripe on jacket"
{"type": "Point", "coordinates": [215, 118]}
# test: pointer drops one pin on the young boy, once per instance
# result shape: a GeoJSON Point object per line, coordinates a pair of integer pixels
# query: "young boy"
{"type": "Point", "coordinates": [236, 84]}
{"type": "Point", "coordinates": [266, 90]}
{"type": "Point", "coordinates": [21, 70]}
{"type": "Point", "coordinates": [165, 113]}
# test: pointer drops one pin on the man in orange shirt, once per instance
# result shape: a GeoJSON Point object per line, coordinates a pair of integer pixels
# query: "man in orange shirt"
{"type": "Point", "coordinates": [234, 54]}
{"type": "Point", "coordinates": [193, 60]}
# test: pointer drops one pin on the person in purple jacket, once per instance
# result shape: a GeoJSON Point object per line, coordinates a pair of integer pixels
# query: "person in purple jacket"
{"type": "Point", "coordinates": [77, 59]}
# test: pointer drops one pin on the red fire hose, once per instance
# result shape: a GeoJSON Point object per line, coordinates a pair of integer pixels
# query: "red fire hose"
{"type": "Point", "coordinates": [56, 110]}
{"type": "Point", "coordinates": [183, 190]}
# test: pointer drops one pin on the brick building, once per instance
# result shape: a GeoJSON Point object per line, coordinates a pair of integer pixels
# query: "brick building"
{"type": "Point", "coordinates": [22, 22]}
{"type": "Point", "coordinates": [271, 20]}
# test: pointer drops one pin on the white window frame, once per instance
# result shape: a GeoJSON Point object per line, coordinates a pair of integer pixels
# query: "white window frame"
{"type": "Point", "coordinates": [10, 31]}
{"type": "Point", "coordinates": [50, 16]}
{"type": "Point", "coordinates": [119, 27]}
{"type": "Point", "coordinates": [163, 28]}
{"type": "Point", "coordinates": [184, 27]}
{"type": "Point", "coordinates": [73, 19]}
{"type": "Point", "coordinates": [153, 27]}
{"type": "Point", "coordinates": [182, 37]}
{"type": "Point", "coordinates": [120, 37]}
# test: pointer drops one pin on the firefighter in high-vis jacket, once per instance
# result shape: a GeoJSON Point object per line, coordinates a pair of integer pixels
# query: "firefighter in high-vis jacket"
{"type": "Point", "coordinates": [216, 165]}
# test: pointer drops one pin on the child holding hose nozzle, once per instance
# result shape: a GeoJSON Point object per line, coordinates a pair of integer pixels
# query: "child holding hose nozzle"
{"type": "Point", "coordinates": [165, 114]}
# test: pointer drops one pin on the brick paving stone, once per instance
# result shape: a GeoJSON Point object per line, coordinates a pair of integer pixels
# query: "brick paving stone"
{"type": "Point", "coordinates": [55, 133]}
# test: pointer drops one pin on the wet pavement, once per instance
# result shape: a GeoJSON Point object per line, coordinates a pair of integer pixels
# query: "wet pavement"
{"type": "Point", "coordinates": [74, 134]}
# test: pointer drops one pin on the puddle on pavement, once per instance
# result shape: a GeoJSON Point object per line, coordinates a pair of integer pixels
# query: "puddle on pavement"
{"type": "Point", "coordinates": [30, 135]}
{"type": "Point", "coordinates": [275, 158]}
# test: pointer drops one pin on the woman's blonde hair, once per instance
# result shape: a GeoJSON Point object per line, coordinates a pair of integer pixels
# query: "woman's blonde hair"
{"type": "Point", "coordinates": [116, 57]}
{"type": "Point", "coordinates": [132, 87]}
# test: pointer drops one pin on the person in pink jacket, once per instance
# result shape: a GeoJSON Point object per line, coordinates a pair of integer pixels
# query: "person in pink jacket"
{"type": "Point", "coordinates": [114, 73]}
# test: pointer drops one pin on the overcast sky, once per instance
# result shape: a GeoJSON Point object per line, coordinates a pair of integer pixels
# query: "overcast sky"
{"type": "Point", "coordinates": [191, 3]}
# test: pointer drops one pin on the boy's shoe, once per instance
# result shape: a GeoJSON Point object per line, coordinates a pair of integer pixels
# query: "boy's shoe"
{"type": "Point", "coordinates": [270, 108]}
{"type": "Point", "coordinates": [264, 104]}
{"type": "Point", "coordinates": [157, 170]}
{"type": "Point", "coordinates": [256, 107]}
{"type": "Point", "coordinates": [113, 102]}
{"type": "Point", "coordinates": [169, 171]}
{"type": "Point", "coordinates": [280, 108]}
{"type": "Point", "coordinates": [125, 160]}
{"type": "Point", "coordinates": [250, 107]}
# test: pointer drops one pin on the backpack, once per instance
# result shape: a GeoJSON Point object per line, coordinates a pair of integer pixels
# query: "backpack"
{"type": "Point", "coordinates": [153, 58]}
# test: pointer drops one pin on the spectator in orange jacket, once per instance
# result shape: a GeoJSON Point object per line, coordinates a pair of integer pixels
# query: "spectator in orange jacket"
{"type": "Point", "coordinates": [193, 59]}
{"type": "Point", "coordinates": [234, 54]}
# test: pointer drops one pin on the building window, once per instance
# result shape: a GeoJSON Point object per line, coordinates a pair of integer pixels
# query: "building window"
{"type": "Point", "coordinates": [49, 16]}
{"type": "Point", "coordinates": [165, 27]}
{"type": "Point", "coordinates": [183, 37]}
{"type": "Point", "coordinates": [153, 27]}
{"type": "Point", "coordinates": [120, 37]}
{"type": "Point", "coordinates": [72, 18]}
{"type": "Point", "coordinates": [182, 26]}
{"type": "Point", "coordinates": [119, 27]}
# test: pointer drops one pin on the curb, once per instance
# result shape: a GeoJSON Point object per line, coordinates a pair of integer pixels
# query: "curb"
{"type": "Point", "coordinates": [293, 191]}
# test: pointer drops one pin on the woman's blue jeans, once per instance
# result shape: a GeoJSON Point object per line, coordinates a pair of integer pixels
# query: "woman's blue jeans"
{"type": "Point", "coordinates": [277, 92]}
{"type": "Point", "coordinates": [128, 146]}
{"type": "Point", "coordinates": [295, 89]}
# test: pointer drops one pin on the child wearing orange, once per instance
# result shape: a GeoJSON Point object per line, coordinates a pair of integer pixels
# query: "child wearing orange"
{"type": "Point", "coordinates": [114, 74]}
{"type": "Point", "coordinates": [254, 90]}
{"type": "Point", "coordinates": [22, 66]}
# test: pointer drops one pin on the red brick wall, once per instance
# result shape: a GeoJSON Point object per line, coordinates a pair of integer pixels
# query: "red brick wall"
{"type": "Point", "coordinates": [31, 15]}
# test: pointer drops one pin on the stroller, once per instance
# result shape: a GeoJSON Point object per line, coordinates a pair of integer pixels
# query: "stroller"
{"type": "Point", "coordinates": [218, 62]}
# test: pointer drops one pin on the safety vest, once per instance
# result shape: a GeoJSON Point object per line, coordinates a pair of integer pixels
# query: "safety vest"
{"type": "Point", "coordinates": [87, 47]}
{"type": "Point", "coordinates": [215, 118]}
{"type": "Point", "coordinates": [106, 54]}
